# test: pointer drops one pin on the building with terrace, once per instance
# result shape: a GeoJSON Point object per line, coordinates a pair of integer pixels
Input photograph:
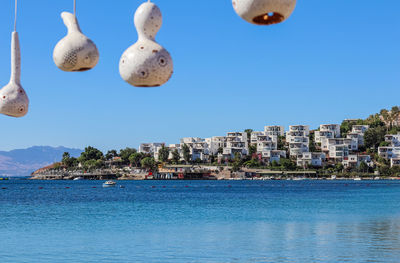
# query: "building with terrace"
{"type": "Point", "coordinates": [150, 148]}
{"type": "Point", "coordinates": [394, 140]}
{"type": "Point", "coordinates": [315, 159]}
{"type": "Point", "coordinates": [274, 130]}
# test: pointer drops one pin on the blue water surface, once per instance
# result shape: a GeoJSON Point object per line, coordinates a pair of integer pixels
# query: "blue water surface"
{"type": "Point", "coordinates": [200, 221]}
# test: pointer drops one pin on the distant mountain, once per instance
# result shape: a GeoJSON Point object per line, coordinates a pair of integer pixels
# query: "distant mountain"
{"type": "Point", "coordinates": [24, 161]}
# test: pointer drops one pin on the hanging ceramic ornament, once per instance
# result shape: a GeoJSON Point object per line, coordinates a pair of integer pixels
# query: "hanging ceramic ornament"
{"type": "Point", "coordinates": [13, 99]}
{"type": "Point", "coordinates": [146, 63]}
{"type": "Point", "coordinates": [264, 12]}
{"type": "Point", "coordinates": [75, 52]}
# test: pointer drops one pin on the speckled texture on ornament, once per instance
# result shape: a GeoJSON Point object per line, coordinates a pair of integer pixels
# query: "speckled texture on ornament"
{"type": "Point", "coordinates": [264, 12]}
{"type": "Point", "coordinates": [75, 52]}
{"type": "Point", "coordinates": [13, 99]}
{"type": "Point", "coordinates": [146, 63]}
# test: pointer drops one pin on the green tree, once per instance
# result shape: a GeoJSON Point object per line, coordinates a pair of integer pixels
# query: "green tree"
{"type": "Point", "coordinates": [186, 153]}
{"type": "Point", "coordinates": [281, 143]}
{"type": "Point", "coordinates": [111, 154]}
{"type": "Point", "coordinates": [374, 121]}
{"type": "Point", "coordinates": [248, 132]}
{"type": "Point", "coordinates": [90, 153]}
{"type": "Point", "coordinates": [252, 150]}
{"type": "Point", "coordinates": [148, 163]}
{"type": "Point", "coordinates": [125, 153]}
{"type": "Point", "coordinates": [374, 136]}
{"type": "Point", "coordinates": [67, 161]}
{"type": "Point", "coordinates": [253, 163]}
{"type": "Point", "coordinates": [89, 165]}
{"type": "Point", "coordinates": [135, 159]}
{"type": "Point", "coordinates": [312, 147]}
{"type": "Point", "coordinates": [339, 167]}
{"type": "Point", "coordinates": [176, 157]}
{"type": "Point", "coordinates": [287, 164]}
{"type": "Point", "coordinates": [163, 154]}
{"type": "Point", "coordinates": [384, 170]}
{"type": "Point", "coordinates": [363, 167]}
{"type": "Point", "coordinates": [393, 115]}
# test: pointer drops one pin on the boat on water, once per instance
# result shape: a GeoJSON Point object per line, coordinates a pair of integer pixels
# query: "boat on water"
{"type": "Point", "coordinates": [79, 179]}
{"type": "Point", "coordinates": [333, 177]}
{"type": "Point", "coordinates": [357, 179]}
{"type": "Point", "coordinates": [109, 184]}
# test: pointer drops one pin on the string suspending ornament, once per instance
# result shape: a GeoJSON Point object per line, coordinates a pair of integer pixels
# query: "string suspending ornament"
{"type": "Point", "coordinates": [146, 63]}
{"type": "Point", "coordinates": [75, 52]}
{"type": "Point", "coordinates": [264, 12]}
{"type": "Point", "coordinates": [14, 101]}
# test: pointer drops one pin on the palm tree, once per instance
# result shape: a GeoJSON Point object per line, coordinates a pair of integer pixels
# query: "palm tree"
{"type": "Point", "coordinates": [394, 115]}
{"type": "Point", "coordinates": [385, 115]}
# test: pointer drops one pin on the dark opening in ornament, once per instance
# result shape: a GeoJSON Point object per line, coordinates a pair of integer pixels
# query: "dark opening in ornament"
{"type": "Point", "coordinates": [143, 74]}
{"type": "Point", "coordinates": [162, 61]}
{"type": "Point", "coordinates": [268, 18]}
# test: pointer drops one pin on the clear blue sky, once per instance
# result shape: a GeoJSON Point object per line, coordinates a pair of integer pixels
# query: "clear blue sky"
{"type": "Point", "coordinates": [330, 61]}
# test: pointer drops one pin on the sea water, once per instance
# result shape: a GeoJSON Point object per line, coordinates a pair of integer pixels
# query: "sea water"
{"type": "Point", "coordinates": [200, 221]}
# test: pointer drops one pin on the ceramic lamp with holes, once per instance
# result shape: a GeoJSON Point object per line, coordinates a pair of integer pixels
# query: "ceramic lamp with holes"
{"type": "Point", "coordinates": [146, 63]}
{"type": "Point", "coordinates": [75, 52]}
{"type": "Point", "coordinates": [13, 99]}
{"type": "Point", "coordinates": [264, 12]}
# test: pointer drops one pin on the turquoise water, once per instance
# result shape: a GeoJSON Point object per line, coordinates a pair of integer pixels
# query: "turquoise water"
{"type": "Point", "coordinates": [200, 221]}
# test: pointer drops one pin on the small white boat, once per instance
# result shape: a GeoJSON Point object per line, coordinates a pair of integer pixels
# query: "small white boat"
{"type": "Point", "coordinates": [79, 179]}
{"type": "Point", "coordinates": [357, 179]}
{"type": "Point", "coordinates": [333, 177]}
{"type": "Point", "coordinates": [109, 184]}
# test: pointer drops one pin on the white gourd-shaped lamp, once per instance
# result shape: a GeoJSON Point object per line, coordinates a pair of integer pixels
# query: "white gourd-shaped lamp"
{"type": "Point", "coordinates": [146, 63]}
{"type": "Point", "coordinates": [13, 99]}
{"type": "Point", "coordinates": [264, 12]}
{"type": "Point", "coordinates": [75, 52]}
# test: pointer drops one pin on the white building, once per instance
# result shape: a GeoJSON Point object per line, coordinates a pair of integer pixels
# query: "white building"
{"type": "Point", "coordinates": [389, 152]}
{"type": "Point", "coordinates": [394, 162]}
{"type": "Point", "coordinates": [304, 128]}
{"type": "Point", "coordinates": [299, 147]}
{"type": "Point", "coordinates": [215, 143]}
{"type": "Point", "coordinates": [198, 147]}
{"type": "Point", "coordinates": [262, 140]}
{"type": "Point", "coordinates": [150, 148]}
{"type": "Point", "coordinates": [297, 131]}
{"type": "Point", "coordinates": [254, 136]}
{"type": "Point", "coordinates": [236, 142]}
{"type": "Point", "coordinates": [315, 159]}
{"type": "Point", "coordinates": [359, 137]}
{"type": "Point", "coordinates": [361, 129]}
{"type": "Point", "coordinates": [274, 130]}
{"type": "Point", "coordinates": [321, 135]}
{"type": "Point", "coordinates": [352, 144]}
{"type": "Point", "coordinates": [274, 155]}
{"type": "Point", "coordinates": [298, 139]}
{"type": "Point", "coordinates": [172, 148]}
{"type": "Point", "coordinates": [394, 140]}
{"type": "Point", "coordinates": [334, 128]}
{"type": "Point", "coordinates": [354, 161]}
{"type": "Point", "coordinates": [338, 152]}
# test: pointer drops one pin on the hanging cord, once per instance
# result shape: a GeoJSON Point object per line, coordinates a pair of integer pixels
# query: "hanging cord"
{"type": "Point", "coordinates": [15, 18]}
{"type": "Point", "coordinates": [74, 7]}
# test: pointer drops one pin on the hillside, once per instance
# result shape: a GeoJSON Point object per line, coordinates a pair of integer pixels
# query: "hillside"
{"type": "Point", "coordinates": [23, 162]}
